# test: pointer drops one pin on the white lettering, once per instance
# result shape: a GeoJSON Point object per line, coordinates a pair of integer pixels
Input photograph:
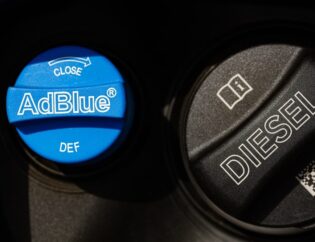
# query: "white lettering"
{"type": "Point", "coordinates": [67, 70]}
{"type": "Point", "coordinates": [27, 104]}
{"type": "Point", "coordinates": [296, 117]}
{"type": "Point", "coordinates": [63, 103]}
{"type": "Point", "coordinates": [102, 104]}
{"type": "Point", "coordinates": [236, 167]}
{"type": "Point", "coordinates": [259, 144]}
{"type": "Point", "coordinates": [263, 142]}
{"type": "Point", "coordinates": [69, 147]}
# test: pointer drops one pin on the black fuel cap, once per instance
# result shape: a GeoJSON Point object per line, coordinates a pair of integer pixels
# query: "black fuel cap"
{"type": "Point", "coordinates": [249, 136]}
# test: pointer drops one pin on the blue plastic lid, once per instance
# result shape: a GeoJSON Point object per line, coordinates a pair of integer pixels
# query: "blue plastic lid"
{"type": "Point", "coordinates": [68, 104]}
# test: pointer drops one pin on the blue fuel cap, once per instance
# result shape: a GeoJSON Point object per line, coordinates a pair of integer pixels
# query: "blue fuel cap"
{"type": "Point", "coordinates": [69, 105]}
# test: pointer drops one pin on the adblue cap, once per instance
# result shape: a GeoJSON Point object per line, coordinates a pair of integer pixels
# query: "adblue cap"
{"type": "Point", "coordinates": [69, 105]}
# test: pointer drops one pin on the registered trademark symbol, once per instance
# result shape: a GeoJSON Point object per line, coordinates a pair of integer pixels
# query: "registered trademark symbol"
{"type": "Point", "coordinates": [111, 92]}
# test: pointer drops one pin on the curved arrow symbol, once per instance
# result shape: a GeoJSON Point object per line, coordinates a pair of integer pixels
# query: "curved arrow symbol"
{"type": "Point", "coordinates": [85, 61]}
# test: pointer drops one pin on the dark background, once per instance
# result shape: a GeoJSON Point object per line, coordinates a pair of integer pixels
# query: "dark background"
{"type": "Point", "coordinates": [160, 47]}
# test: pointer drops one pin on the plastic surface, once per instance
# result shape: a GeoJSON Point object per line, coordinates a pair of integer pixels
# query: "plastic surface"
{"type": "Point", "coordinates": [68, 104]}
{"type": "Point", "coordinates": [261, 164]}
{"type": "Point", "coordinates": [138, 200]}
